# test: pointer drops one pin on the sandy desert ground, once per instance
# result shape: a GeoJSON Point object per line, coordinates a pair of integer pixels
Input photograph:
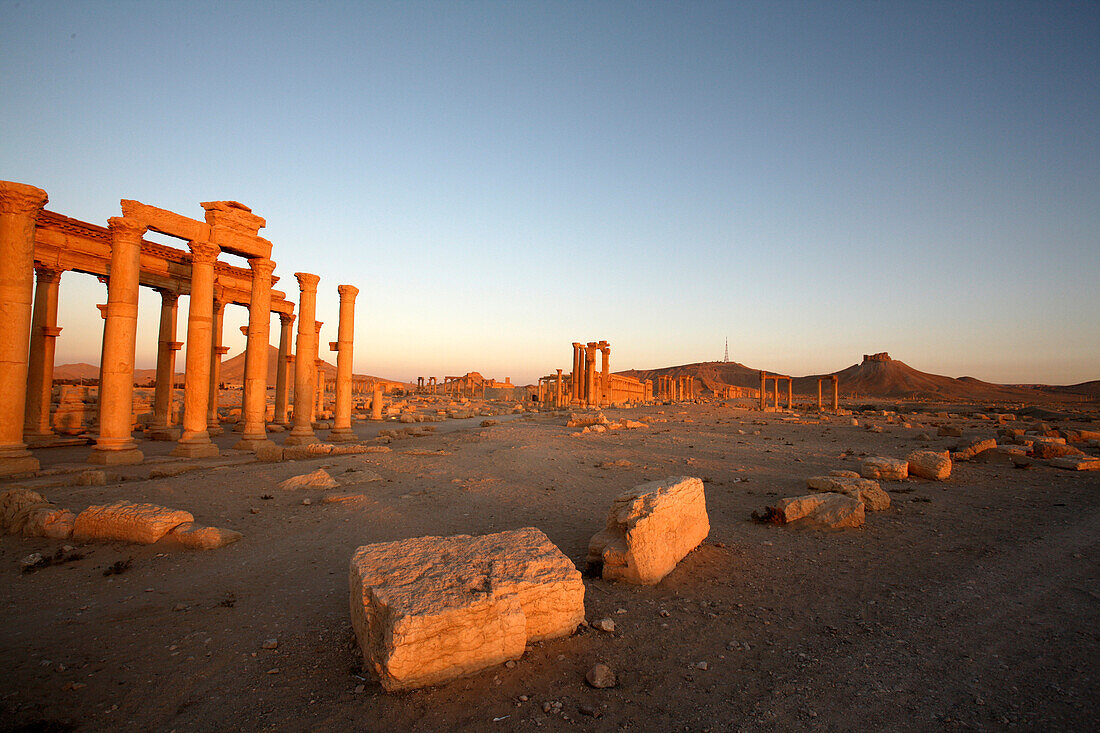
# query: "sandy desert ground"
{"type": "Point", "coordinates": [971, 604]}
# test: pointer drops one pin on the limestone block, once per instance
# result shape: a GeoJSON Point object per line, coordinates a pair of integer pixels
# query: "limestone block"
{"type": "Point", "coordinates": [968, 449]}
{"type": "Point", "coordinates": [844, 474]}
{"type": "Point", "coordinates": [1053, 450]}
{"type": "Point", "coordinates": [949, 431]}
{"type": "Point", "coordinates": [649, 529]}
{"type": "Point", "coordinates": [930, 464]}
{"type": "Point", "coordinates": [862, 489]}
{"type": "Point", "coordinates": [319, 479]}
{"type": "Point", "coordinates": [1077, 463]}
{"type": "Point", "coordinates": [14, 507]}
{"type": "Point", "coordinates": [49, 521]}
{"type": "Point", "coordinates": [884, 469]}
{"type": "Point", "coordinates": [269, 452]}
{"type": "Point", "coordinates": [198, 537]}
{"type": "Point", "coordinates": [827, 510]}
{"type": "Point", "coordinates": [142, 524]}
{"type": "Point", "coordinates": [430, 609]}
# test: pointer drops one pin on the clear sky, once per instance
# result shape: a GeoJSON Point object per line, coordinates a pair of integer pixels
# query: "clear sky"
{"type": "Point", "coordinates": [814, 181]}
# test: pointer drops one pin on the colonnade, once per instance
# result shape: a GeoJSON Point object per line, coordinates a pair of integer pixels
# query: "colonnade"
{"type": "Point", "coordinates": [589, 388]}
{"type": "Point", "coordinates": [431, 386]}
{"type": "Point", "coordinates": [40, 245]}
{"type": "Point", "coordinates": [836, 391]}
{"type": "Point", "coordinates": [776, 379]}
{"type": "Point", "coordinates": [675, 388]}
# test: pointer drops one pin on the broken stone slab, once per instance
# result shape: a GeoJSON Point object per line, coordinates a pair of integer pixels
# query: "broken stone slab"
{"type": "Point", "coordinates": [1076, 463]}
{"type": "Point", "coordinates": [968, 449]}
{"type": "Point", "coordinates": [844, 474]}
{"type": "Point", "coordinates": [430, 609]}
{"type": "Point", "coordinates": [650, 528]}
{"type": "Point", "coordinates": [826, 510]}
{"type": "Point", "coordinates": [862, 489]}
{"type": "Point", "coordinates": [319, 479]}
{"type": "Point", "coordinates": [930, 464]}
{"type": "Point", "coordinates": [305, 452]}
{"type": "Point", "coordinates": [142, 524]}
{"type": "Point", "coordinates": [30, 514]}
{"type": "Point", "coordinates": [197, 537]}
{"type": "Point", "coordinates": [269, 453]}
{"type": "Point", "coordinates": [583, 421]}
{"type": "Point", "coordinates": [1054, 450]}
{"type": "Point", "coordinates": [884, 469]}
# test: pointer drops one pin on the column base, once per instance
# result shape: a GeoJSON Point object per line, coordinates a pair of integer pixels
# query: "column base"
{"type": "Point", "coordinates": [163, 433]}
{"type": "Point", "coordinates": [336, 435]}
{"type": "Point", "coordinates": [301, 439]}
{"type": "Point", "coordinates": [214, 429]}
{"type": "Point", "coordinates": [125, 457]}
{"type": "Point", "coordinates": [253, 443]}
{"type": "Point", "coordinates": [195, 450]}
{"type": "Point", "coordinates": [11, 465]}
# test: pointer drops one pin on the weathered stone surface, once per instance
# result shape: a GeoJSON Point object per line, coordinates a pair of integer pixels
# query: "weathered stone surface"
{"type": "Point", "coordinates": [601, 676]}
{"type": "Point", "coordinates": [430, 609]}
{"type": "Point", "coordinates": [1077, 463]}
{"type": "Point", "coordinates": [969, 449]}
{"type": "Point", "coordinates": [319, 479]}
{"type": "Point", "coordinates": [304, 452]}
{"type": "Point", "coordinates": [949, 431]}
{"type": "Point", "coordinates": [863, 489]}
{"type": "Point", "coordinates": [827, 510]}
{"type": "Point", "coordinates": [930, 464]}
{"type": "Point", "coordinates": [844, 474]}
{"type": "Point", "coordinates": [49, 521]}
{"type": "Point", "coordinates": [27, 512]}
{"type": "Point", "coordinates": [649, 529]}
{"type": "Point", "coordinates": [269, 453]}
{"type": "Point", "coordinates": [1054, 450]}
{"type": "Point", "coordinates": [139, 523]}
{"type": "Point", "coordinates": [198, 537]}
{"type": "Point", "coordinates": [14, 506]}
{"type": "Point", "coordinates": [884, 469]}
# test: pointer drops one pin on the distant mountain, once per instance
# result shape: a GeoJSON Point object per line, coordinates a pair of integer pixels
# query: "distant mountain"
{"type": "Point", "coordinates": [879, 376]}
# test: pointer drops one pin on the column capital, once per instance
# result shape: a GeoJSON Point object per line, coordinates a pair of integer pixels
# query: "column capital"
{"type": "Point", "coordinates": [578, 345]}
{"type": "Point", "coordinates": [287, 319]}
{"type": "Point", "coordinates": [307, 281]}
{"type": "Point", "coordinates": [51, 331]}
{"type": "Point", "coordinates": [261, 266]}
{"type": "Point", "coordinates": [47, 273]}
{"type": "Point", "coordinates": [244, 330]}
{"type": "Point", "coordinates": [317, 325]}
{"type": "Point", "coordinates": [121, 227]}
{"type": "Point", "coordinates": [167, 297]}
{"type": "Point", "coordinates": [203, 253]}
{"type": "Point", "coordinates": [20, 198]}
{"type": "Point", "coordinates": [347, 292]}
{"type": "Point", "coordinates": [102, 310]}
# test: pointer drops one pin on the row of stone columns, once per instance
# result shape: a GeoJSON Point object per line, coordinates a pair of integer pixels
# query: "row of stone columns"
{"type": "Point", "coordinates": [776, 378]}
{"type": "Point", "coordinates": [836, 391]}
{"type": "Point", "coordinates": [589, 387]}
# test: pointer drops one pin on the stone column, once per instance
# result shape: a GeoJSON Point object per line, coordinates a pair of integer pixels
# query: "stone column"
{"type": "Point", "coordinates": [166, 367]}
{"type": "Point", "coordinates": [115, 444]}
{"type": "Point", "coordinates": [605, 376]}
{"type": "Point", "coordinates": [305, 356]}
{"type": "Point", "coordinates": [576, 386]}
{"type": "Point", "coordinates": [286, 321]}
{"type": "Point", "coordinates": [44, 332]}
{"type": "Point", "coordinates": [763, 389]}
{"type": "Point", "coordinates": [590, 396]}
{"type": "Point", "coordinates": [376, 402]}
{"type": "Point", "coordinates": [195, 441]}
{"type": "Point", "coordinates": [345, 334]}
{"type": "Point", "coordinates": [776, 403]}
{"type": "Point", "coordinates": [790, 393]}
{"type": "Point", "coordinates": [19, 207]}
{"type": "Point", "coordinates": [557, 391]}
{"type": "Point", "coordinates": [836, 393]}
{"type": "Point", "coordinates": [217, 351]}
{"type": "Point", "coordinates": [254, 405]}
{"type": "Point", "coordinates": [318, 373]}
{"type": "Point", "coordinates": [819, 395]}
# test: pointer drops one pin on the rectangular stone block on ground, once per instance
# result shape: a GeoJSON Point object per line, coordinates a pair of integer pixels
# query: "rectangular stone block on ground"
{"type": "Point", "coordinates": [1074, 463]}
{"type": "Point", "coordinates": [430, 609]}
{"type": "Point", "coordinates": [139, 523]}
{"type": "Point", "coordinates": [874, 498]}
{"type": "Point", "coordinates": [650, 528]}
{"type": "Point", "coordinates": [826, 509]}
{"type": "Point", "coordinates": [884, 469]}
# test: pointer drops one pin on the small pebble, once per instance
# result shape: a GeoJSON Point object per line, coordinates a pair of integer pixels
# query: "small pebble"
{"type": "Point", "coordinates": [701, 665]}
{"type": "Point", "coordinates": [270, 643]}
{"type": "Point", "coordinates": [604, 624]}
{"type": "Point", "coordinates": [360, 688]}
{"type": "Point", "coordinates": [601, 676]}
{"type": "Point", "coordinates": [510, 664]}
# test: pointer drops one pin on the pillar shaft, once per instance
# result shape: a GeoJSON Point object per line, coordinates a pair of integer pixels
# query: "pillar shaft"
{"type": "Point", "coordinates": [836, 394]}
{"type": "Point", "coordinates": [819, 395]}
{"type": "Point", "coordinates": [605, 377]}
{"type": "Point", "coordinates": [44, 332]}
{"type": "Point", "coordinates": [590, 396]}
{"type": "Point", "coordinates": [254, 406]}
{"type": "Point", "coordinates": [286, 321]}
{"type": "Point", "coordinates": [115, 443]}
{"type": "Point", "coordinates": [195, 441]}
{"type": "Point", "coordinates": [217, 351]}
{"type": "Point", "coordinates": [19, 207]}
{"type": "Point", "coordinates": [305, 356]}
{"type": "Point", "coordinates": [376, 402]}
{"type": "Point", "coordinates": [577, 379]}
{"type": "Point", "coordinates": [341, 426]}
{"type": "Point", "coordinates": [166, 360]}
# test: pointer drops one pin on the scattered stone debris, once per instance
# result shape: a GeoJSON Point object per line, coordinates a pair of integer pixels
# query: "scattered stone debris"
{"type": "Point", "coordinates": [864, 489]}
{"type": "Point", "coordinates": [930, 464]}
{"type": "Point", "coordinates": [604, 624]}
{"type": "Point", "coordinates": [600, 676]}
{"type": "Point", "coordinates": [649, 530]}
{"type": "Point", "coordinates": [141, 524]}
{"type": "Point", "coordinates": [826, 510]}
{"type": "Point", "coordinates": [884, 469]}
{"type": "Point", "coordinates": [118, 567]}
{"type": "Point", "coordinates": [319, 479]}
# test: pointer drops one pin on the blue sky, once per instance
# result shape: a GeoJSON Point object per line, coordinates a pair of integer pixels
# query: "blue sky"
{"type": "Point", "coordinates": [814, 181]}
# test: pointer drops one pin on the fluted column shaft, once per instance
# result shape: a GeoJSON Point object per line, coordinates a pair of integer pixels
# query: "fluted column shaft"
{"type": "Point", "coordinates": [836, 394]}
{"type": "Point", "coordinates": [282, 403]}
{"type": "Point", "coordinates": [254, 407]}
{"type": "Point", "coordinates": [763, 389]}
{"type": "Point", "coordinates": [605, 377]}
{"type": "Point", "coordinates": [574, 386]}
{"type": "Point", "coordinates": [341, 426]}
{"type": "Point", "coordinates": [166, 359]}
{"type": "Point", "coordinates": [19, 207]}
{"type": "Point", "coordinates": [195, 441]}
{"type": "Point", "coordinates": [376, 402]}
{"type": "Point", "coordinates": [306, 355]}
{"type": "Point", "coordinates": [44, 332]}
{"type": "Point", "coordinates": [590, 397]}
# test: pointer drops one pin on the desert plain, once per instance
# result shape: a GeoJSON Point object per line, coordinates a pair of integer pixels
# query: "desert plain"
{"type": "Point", "coordinates": [969, 604]}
